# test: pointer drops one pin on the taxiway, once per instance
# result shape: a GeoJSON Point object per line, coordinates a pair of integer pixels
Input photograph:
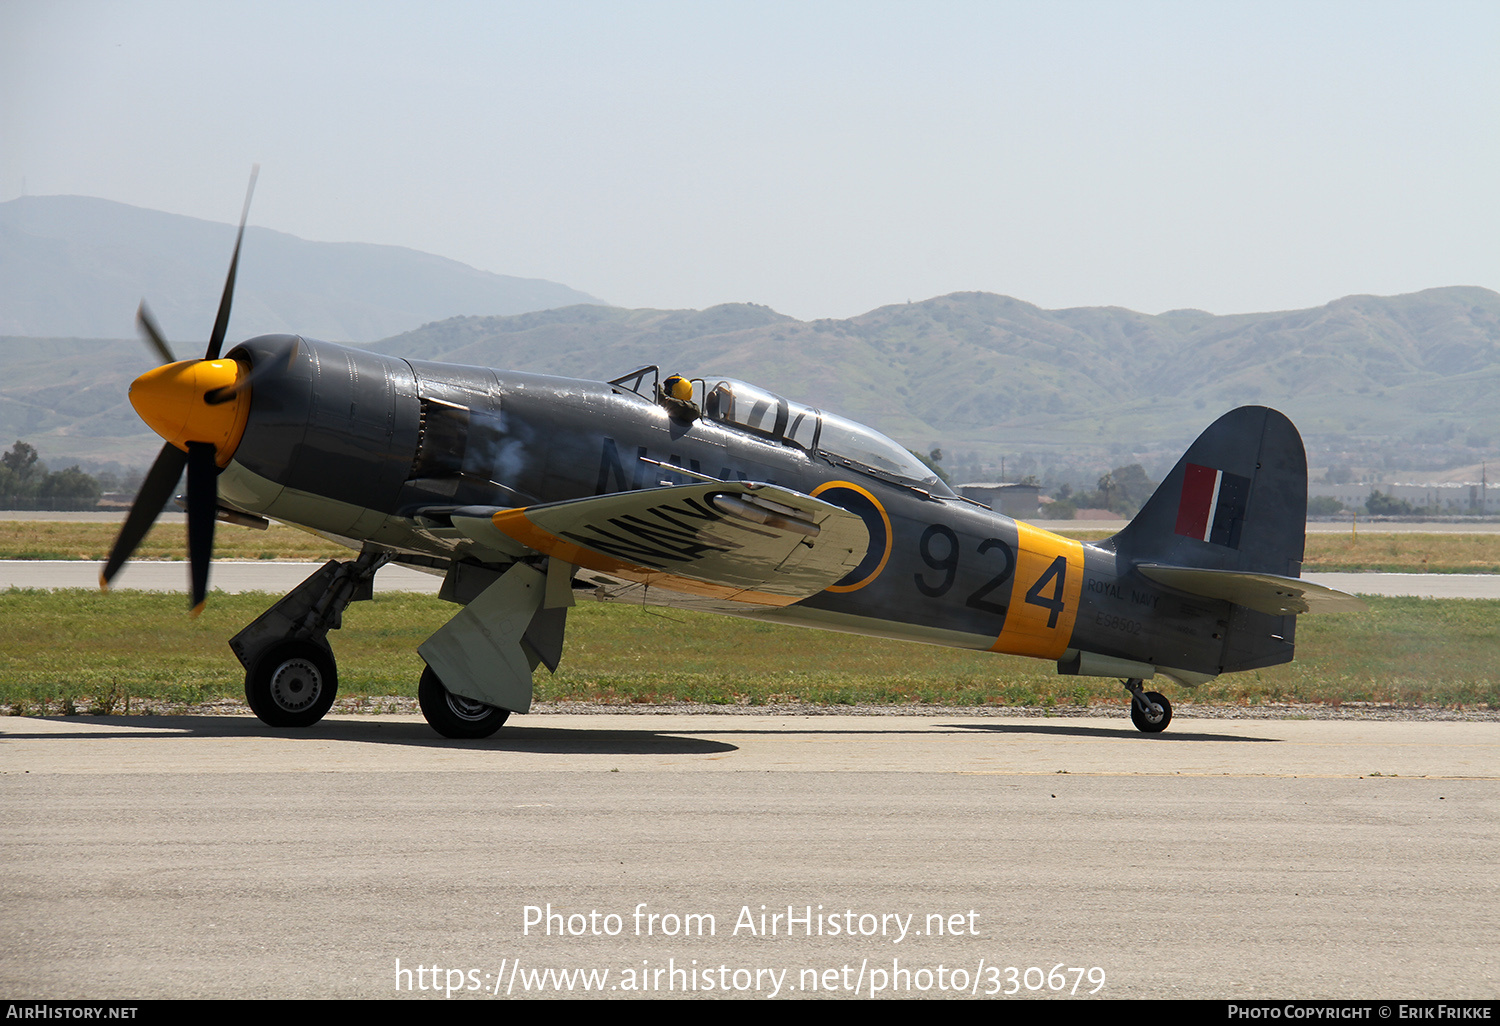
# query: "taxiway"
{"type": "Point", "coordinates": [211, 856]}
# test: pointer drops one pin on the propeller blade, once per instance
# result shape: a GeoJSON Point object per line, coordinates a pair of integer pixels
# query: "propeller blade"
{"type": "Point", "coordinates": [202, 511]}
{"type": "Point", "coordinates": [149, 328]}
{"type": "Point", "coordinates": [221, 323]}
{"type": "Point", "coordinates": [217, 396]}
{"type": "Point", "coordinates": [160, 481]}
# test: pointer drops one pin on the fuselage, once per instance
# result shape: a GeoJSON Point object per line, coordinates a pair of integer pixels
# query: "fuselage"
{"type": "Point", "coordinates": [376, 449]}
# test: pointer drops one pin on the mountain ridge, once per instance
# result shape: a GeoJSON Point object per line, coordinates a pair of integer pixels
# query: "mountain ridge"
{"type": "Point", "coordinates": [1020, 366]}
{"type": "Point", "coordinates": [986, 377]}
{"type": "Point", "coordinates": [77, 266]}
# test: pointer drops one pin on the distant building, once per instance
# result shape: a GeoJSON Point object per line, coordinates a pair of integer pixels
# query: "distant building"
{"type": "Point", "coordinates": [1446, 497]}
{"type": "Point", "coordinates": [1013, 500]}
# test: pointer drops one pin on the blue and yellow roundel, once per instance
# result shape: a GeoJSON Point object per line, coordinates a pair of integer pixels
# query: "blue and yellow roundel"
{"type": "Point", "coordinates": [868, 508]}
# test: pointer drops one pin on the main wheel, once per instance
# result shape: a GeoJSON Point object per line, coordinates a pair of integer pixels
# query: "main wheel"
{"type": "Point", "coordinates": [454, 715]}
{"type": "Point", "coordinates": [1148, 721]}
{"type": "Point", "coordinates": [292, 684]}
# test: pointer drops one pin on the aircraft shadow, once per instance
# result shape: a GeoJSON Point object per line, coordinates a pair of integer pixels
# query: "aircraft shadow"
{"type": "Point", "coordinates": [552, 740]}
{"type": "Point", "coordinates": [1052, 729]}
{"type": "Point", "coordinates": [1055, 729]}
{"type": "Point", "coordinates": [523, 737]}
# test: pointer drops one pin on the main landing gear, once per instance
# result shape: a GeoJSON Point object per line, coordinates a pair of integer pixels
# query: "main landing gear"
{"type": "Point", "coordinates": [1149, 710]}
{"type": "Point", "coordinates": [454, 715]}
{"type": "Point", "coordinates": [292, 678]}
{"type": "Point", "coordinates": [292, 683]}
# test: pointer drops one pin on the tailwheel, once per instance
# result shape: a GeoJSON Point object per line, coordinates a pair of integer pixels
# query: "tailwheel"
{"type": "Point", "coordinates": [1149, 710]}
{"type": "Point", "coordinates": [292, 684]}
{"type": "Point", "coordinates": [454, 715]}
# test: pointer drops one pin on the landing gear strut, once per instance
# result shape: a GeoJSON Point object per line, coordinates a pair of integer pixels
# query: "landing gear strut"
{"type": "Point", "coordinates": [1149, 710]}
{"type": "Point", "coordinates": [291, 677]}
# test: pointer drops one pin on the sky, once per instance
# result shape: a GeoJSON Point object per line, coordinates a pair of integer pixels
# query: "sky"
{"type": "Point", "coordinates": [821, 158]}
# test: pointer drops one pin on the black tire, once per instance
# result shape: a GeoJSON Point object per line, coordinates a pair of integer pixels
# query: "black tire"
{"type": "Point", "coordinates": [292, 684]}
{"type": "Point", "coordinates": [1144, 722]}
{"type": "Point", "coordinates": [454, 715]}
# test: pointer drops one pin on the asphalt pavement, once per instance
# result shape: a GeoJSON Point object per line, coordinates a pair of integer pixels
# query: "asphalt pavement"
{"type": "Point", "coordinates": [278, 577]}
{"type": "Point", "coordinates": [758, 856]}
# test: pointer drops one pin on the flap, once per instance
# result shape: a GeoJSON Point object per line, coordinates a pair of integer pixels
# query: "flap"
{"type": "Point", "coordinates": [1264, 593]}
{"type": "Point", "coordinates": [740, 540]}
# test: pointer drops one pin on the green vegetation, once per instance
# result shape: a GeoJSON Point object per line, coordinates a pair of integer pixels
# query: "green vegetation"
{"type": "Point", "coordinates": [26, 483]}
{"type": "Point", "coordinates": [1403, 553]}
{"type": "Point", "coordinates": [1391, 382]}
{"type": "Point", "coordinates": [933, 461]}
{"type": "Point", "coordinates": [83, 651]}
{"type": "Point", "coordinates": [1386, 552]}
{"type": "Point", "coordinates": [1380, 504]}
{"type": "Point", "coordinates": [50, 539]}
{"type": "Point", "coordinates": [1123, 490]}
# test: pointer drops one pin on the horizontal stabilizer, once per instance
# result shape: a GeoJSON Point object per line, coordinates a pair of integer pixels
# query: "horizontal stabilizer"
{"type": "Point", "coordinates": [1265, 593]}
{"type": "Point", "coordinates": [734, 540]}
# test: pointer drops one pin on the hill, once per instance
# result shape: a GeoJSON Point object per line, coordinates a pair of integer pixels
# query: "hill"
{"type": "Point", "coordinates": [988, 374]}
{"type": "Point", "coordinates": [72, 266]}
{"type": "Point", "coordinates": [1399, 382]}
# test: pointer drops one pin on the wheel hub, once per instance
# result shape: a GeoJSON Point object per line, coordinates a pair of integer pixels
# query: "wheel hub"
{"type": "Point", "coordinates": [467, 708]}
{"type": "Point", "coordinates": [296, 684]}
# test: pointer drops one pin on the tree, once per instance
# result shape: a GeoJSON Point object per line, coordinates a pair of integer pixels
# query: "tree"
{"type": "Point", "coordinates": [71, 486]}
{"type": "Point", "coordinates": [1380, 504]}
{"type": "Point", "coordinates": [932, 459]}
{"type": "Point", "coordinates": [1123, 490]}
{"type": "Point", "coordinates": [1062, 509]}
{"type": "Point", "coordinates": [19, 473]}
{"type": "Point", "coordinates": [26, 484]}
{"type": "Point", "coordinates": [1107, 491]}
{"type": "Point", "coordinates": [20, 460]}
{"type": "Point", "coordinates": [1132, 487]}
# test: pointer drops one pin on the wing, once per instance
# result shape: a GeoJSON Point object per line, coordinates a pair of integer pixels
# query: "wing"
{"type": "Point", "coordinates": [740, 541]}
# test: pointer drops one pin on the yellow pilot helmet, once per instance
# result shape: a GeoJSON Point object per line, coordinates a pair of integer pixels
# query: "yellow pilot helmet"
{"type": "Point", "coordinates": [678, 387]}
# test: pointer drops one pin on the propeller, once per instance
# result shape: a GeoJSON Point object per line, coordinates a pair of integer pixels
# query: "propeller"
{"type": "Point", "coordinates": [199, 407]}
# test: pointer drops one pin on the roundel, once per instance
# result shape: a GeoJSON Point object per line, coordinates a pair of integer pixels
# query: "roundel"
{"type": "Point", "coordinates": [868, 508]}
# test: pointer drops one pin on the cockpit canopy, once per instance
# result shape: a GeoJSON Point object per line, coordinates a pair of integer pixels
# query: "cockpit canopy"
{"type": "Point", "coordinates": [742, 406]}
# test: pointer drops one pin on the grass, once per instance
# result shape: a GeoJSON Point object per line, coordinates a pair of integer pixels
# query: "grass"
{"type": "Point", "coordinates": [45, 539]}
{"type": "Point", "coordinates": [1390, 552]}
{"type": "Point", "coordinates": [1404, 553]}
{"type": "Point", "coordinates": [1397, 553]}
{"type": "Point", "coordinates": [84, 651]}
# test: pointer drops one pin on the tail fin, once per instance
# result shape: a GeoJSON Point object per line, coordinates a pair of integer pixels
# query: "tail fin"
{"type": "Point", "coordinates": [1230, 523]}
{"type": "Point", "coordinates": [1236, 501]}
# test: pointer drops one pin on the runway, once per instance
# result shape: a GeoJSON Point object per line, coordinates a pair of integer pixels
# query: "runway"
{"type": "Point", "coordinates": [230, 576]}
{"type": "Point", "coordinates": [755, 856]}
{"type": "Point", "coordinates": [280, 577]}
{"type": "Point", "coordinates": [214, 857]}
{"type": "Point", "coordinates": [1464, 525]}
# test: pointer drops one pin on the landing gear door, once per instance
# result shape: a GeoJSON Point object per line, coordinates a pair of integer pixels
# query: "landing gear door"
{"type": "Point", "coordinates": [478, 654]}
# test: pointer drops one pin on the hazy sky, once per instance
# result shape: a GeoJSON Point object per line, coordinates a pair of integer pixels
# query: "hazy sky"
{"type": "Point", "coordinates": [821, 158]}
